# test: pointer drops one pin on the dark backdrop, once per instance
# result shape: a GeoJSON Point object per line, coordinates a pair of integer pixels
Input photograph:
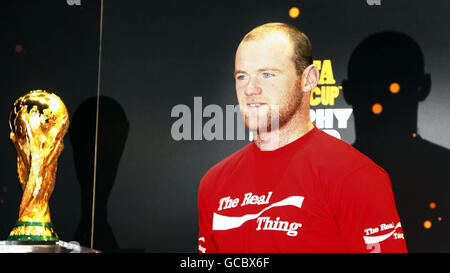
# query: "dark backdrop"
{"type": "Point", "coordinates": [157, 55]}
{"type": "Point", "coordinates": [52, 46]}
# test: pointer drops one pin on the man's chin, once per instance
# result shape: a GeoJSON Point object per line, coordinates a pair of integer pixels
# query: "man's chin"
{"type": "Point", "coordinates": [262, 122]}
{"type": "Point", "coordinates": [258, 128]}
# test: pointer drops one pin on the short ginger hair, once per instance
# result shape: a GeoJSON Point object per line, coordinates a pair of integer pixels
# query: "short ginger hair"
{"type": "Point", "coordinates": [300, 42]}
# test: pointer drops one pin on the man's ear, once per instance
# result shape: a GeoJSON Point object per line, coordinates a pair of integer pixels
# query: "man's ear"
{"type": "Point", "coordinates": [310, 77]}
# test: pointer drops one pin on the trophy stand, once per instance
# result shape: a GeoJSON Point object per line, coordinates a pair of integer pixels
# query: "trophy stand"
{"type": "Point", "coordinates": [44, 247]}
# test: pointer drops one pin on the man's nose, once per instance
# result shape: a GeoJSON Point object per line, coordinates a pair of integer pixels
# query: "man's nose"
{"type": "Point", "coordinates": [253, 88]}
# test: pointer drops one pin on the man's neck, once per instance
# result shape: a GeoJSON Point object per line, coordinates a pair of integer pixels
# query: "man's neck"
{"type": "Point", "coordinates": [275, 139]}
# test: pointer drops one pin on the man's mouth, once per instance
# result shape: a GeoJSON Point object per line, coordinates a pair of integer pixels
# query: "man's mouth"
{"type": "Point", "coordinates": [255, 104]}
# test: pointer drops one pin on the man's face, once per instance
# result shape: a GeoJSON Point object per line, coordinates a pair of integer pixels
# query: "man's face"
{"type": "Point", "coordinates": [266, 79]}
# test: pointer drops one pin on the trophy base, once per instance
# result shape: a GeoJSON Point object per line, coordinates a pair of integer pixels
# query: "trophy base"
{"type": "Point", "coordinates": [24, 243]}
{"type": "Point", "coordinates": [43, 247]}
{"type": "Point", "coordinates": [34, 232]}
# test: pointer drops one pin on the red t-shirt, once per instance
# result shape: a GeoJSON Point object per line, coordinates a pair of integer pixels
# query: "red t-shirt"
{"type": "Point", "coordinates": [315, 194]}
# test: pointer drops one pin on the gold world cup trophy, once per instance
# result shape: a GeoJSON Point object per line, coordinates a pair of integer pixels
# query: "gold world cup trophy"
{"type": "Point", "coordinates": [38, 122]}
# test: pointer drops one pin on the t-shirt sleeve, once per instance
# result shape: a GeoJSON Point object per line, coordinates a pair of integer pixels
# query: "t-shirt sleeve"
{"type": "Point", "coordinates": [365, 211]}
{"type": "Point", "coordinates": [205, 242]}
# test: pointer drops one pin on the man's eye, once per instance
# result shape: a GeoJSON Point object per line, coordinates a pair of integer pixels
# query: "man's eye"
{"type": "Point", "coordinates": [241, 77]}
{"type": "Point", "coordinates": [268, 75]}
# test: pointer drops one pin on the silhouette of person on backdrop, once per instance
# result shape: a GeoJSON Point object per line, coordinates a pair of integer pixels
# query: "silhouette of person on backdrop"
{"type": "Point", "coordinates": [112, 134]}
{"type": "Point", "coordinates": [386, 81]}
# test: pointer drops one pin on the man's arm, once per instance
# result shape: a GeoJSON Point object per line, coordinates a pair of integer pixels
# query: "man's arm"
{"type": "Point", "coordinates": [365, 211]}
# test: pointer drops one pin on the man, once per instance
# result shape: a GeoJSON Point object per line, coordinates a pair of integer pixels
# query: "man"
{"type": "Point", "coordinates": [294, 188]}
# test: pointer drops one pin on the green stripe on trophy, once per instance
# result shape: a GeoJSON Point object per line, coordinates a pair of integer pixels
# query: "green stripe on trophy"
{"type": "Point", "coordinates": [32, 238]}
{"type": "Point", "coordinates": [23, 237]}
{"type": "Point", "coordinates": [34, 224]}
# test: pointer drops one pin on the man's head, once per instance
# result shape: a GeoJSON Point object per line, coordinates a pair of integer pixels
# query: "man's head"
{"type": "Point", "coordinates": [274, 70]}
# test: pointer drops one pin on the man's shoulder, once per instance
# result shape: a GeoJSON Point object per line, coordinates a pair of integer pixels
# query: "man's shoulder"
{"type": "Point", "coordinates": [335, 147]}
{"type": "Point", "coordinates": [341, 158]}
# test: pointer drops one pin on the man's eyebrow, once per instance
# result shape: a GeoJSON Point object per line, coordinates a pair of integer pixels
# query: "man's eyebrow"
{"type": "Point", "coordinates": [269, 68]}
{"type": "Point", "coordinates": [260, 70]}
{"type": "Point", "coordinates": [238, 71]}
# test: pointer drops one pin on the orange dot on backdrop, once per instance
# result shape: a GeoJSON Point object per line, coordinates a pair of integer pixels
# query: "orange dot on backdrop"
{"type": "Point", "coordinates": [294, 12]}
{"type": "Point", "coordinates": [394, 88]}
{"type": "Point", "coordinates": [18, 48]}
{"type": "Point", "coordinates": [377, 108]}
{"type": "Point", "coordinates": [427, 224]}
{"type": "Point", "coordinates": [432, 205]}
